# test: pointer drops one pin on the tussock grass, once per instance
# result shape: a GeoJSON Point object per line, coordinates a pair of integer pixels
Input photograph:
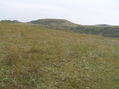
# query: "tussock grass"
{"type": "Point", "coordinates": [39, 58]}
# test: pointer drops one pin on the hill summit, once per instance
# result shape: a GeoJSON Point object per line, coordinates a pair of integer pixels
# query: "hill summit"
{"type": "Point", "coordinates": [54, 22]}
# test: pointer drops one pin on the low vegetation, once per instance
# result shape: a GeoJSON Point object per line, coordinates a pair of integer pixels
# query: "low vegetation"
{"type": "Point", "coordinates": [102, 30]}
{"type": "Point", "coordinates": [32, 57]}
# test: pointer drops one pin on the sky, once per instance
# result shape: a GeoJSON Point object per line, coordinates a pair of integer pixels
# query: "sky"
{"type": "Point", "coordinates": [85, 12]}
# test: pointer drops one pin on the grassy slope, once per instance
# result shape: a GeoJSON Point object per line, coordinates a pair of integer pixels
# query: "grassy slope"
{"type": "Point", "coordinates": [40, 58]}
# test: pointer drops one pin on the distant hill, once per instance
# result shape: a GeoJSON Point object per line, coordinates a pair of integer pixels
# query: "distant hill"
{"type": "Point", "coordinates": [54, 22]}
{"type": "Point", "coordinates": [106, 31]}
{"type": "Point", "coordinates": [102, 25]}
{"type": "Point", "coordinates": [60, 24]}
{"type": "Point", "coordinates": [10, 21]}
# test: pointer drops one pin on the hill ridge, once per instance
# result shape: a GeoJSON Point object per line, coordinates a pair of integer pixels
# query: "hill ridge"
{"type": "Point", "coordinates": [65, 25]}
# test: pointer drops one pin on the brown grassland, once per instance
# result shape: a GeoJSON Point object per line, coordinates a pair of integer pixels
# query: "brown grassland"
{"type": "Point", "coordinates": [38, 58]}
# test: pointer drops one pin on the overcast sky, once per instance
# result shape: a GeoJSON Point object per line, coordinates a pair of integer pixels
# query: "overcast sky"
{"type": "Point", "coordinates": [85, 12]}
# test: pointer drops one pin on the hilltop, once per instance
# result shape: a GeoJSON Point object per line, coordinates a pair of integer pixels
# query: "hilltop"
{"type": "Point", "coordinates": [54, 22]}
{"type": "Point", "coordinates": [33, 57]}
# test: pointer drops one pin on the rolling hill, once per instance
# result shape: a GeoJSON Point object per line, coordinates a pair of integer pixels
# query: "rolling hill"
{"type": "Point", "coordinates": [108, 31]}
{"type": "Point", "coordinates": [54, 22]}
{"type": "Point", "coordinates": [59, 24]}
{"type": "Point", "coordinates": [103, 25]}
{"type": "Point", "coordinates": [33, 57]}
{"type": "Point", "coordinates": [65, 25]}
{"type": "Point", "coordinates": [10, 21]}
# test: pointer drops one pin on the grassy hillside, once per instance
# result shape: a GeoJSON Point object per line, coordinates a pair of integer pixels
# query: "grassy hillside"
{"type": "Point", "coordinates": [56, 24]}
{"type": "Point", "coordinates": [59, 24]}
{"type": "Point", "coordinates": [39, 58]}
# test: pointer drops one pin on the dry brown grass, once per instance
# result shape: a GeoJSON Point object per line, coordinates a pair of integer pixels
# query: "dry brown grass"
{"type": "Point", "coordinates": [38, 58]}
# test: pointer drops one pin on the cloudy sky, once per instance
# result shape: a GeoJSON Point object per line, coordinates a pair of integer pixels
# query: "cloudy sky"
{"type": "Point", "coordinates": [85, 12]}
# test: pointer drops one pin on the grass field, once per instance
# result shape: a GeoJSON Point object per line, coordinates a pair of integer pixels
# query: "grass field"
{"type": "Point", "coordinates": [38, 58]}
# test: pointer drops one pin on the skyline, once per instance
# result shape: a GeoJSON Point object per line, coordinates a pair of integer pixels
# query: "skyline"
{"type": "Point", "coordinates": [85, 12]}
